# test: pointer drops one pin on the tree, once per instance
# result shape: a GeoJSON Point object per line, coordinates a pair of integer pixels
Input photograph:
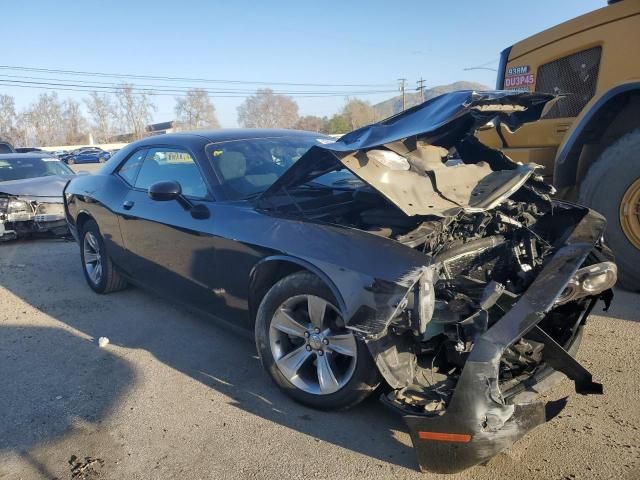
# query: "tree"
{"type": "Point", "coordinates": [312, 123]}
{"type": "Point", "coordinates": [268, 110]}
{"type": "Point", "coordinates": [8, 119]}
{"type": "Point", "coordinates": [102, 112]}
{"type": "Point", "coordinates": [195, 110]}
{"type": "Point", "coordinates": [338, 125]}
{"type": "Point", "coordinates": [358, 113]}
{"type": "Point", "coordinates": [75, 125]}
{"type": "Point", "coordinates": [135, 109]}
{"type": "Point", "coordinates": [46, 118]}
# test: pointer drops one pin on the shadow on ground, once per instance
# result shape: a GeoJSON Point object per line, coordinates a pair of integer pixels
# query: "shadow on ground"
{"type": "Point", "coordinates": [624, 306]}
{"type": "Point", "coordinates": [53, 380]}
{"type": "Point", "coordinates": [47, 275]}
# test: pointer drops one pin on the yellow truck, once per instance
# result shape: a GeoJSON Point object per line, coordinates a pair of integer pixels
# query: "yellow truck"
{"type": "Point", "coordinates": [589, 141]}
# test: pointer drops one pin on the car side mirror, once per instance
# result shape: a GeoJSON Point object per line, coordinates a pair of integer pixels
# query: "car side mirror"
{"type": "Point", "coordinates": [165, 191]}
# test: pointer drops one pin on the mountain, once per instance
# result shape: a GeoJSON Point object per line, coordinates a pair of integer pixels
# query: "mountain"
{"type": "Point", "coordinates": [394, 105]}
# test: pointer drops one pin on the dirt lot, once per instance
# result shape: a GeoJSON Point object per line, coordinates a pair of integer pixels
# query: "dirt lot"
{"type": "Point", "coordinates": [176, 395]}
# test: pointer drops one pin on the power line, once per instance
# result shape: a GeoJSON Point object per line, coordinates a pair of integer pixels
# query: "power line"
{"type": "Point", "coordinates": [184, 79]}
{"type": "Point", "coordinates": [75, 87]}
{"type": "Point", "coordinates": [174, 88]}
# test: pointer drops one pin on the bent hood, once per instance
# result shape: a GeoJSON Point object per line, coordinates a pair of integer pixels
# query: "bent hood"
{"type": "Point", "coordinates": [404, 156]}
{"type": "Point", "coordinates": [50, 186]}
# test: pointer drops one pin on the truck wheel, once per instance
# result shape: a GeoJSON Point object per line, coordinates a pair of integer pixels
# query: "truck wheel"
{"type": "Point", "coordinates": [303, 345]}
{"type": "Point", "coordinates": [612, 187]}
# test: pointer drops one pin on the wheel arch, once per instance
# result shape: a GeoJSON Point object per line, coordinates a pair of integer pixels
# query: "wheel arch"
{"type": "Point", "coordinates": [268, 271]}
{"type": "Point", "coordinates": [82, 218]}
{"type": "Point", "coordinates": [613, 109]}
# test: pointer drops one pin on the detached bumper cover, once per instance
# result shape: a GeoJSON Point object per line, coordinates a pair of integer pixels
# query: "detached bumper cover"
{"type": "Point", "coordinates": [479, 422]}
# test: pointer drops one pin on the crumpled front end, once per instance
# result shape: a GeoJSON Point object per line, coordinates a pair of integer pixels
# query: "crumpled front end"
{"type": "Point", "coordinates": [21, 216]}
{"type": "Point", "coordinates": [478, 374]}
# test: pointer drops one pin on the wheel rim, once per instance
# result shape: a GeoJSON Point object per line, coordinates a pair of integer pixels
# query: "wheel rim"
{"type": "Point", "coordinates": [310, 345]}
{"type": "Point", "coordinates": [92, 258]}
{"type": "Point", "coordinates": [630, 213]}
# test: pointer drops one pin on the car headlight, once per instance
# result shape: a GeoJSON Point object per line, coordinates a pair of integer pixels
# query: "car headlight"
{"type": "Point", "coordinates": [589, 281]}
{"type": "Point", "coordinates": [426, 299]}
{"type": "Point", "coordinates": [599, 277]}
{"type": "Point", "coordinates": [18, 206]}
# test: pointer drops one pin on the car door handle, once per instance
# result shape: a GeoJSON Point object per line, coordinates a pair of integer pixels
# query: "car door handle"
{"type": "Point", "coordinates": [127, 205]}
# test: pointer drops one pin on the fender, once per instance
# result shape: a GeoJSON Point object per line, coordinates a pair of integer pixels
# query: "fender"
{"type": "Point", "coordinates": [307, 266]}
{"type": "Point", "coordinates": [566, 164]}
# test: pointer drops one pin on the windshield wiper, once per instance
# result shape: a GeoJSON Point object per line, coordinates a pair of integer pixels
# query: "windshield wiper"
{"type": "Point", "coordinates": [252, 195]}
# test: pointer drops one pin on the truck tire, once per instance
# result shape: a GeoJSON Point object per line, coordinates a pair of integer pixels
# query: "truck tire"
{"type": "Point", "coordinates": [609, 181]}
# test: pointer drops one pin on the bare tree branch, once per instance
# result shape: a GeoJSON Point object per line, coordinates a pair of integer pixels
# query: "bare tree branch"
{"type": "Point", "coordinates": [102, 112]}
{"type": "Point", "coordinates": [266, 110]}
{"type": "Point", "coordinates": [195, 110]}
{"type": "Point", "coordinates": [135, 109]}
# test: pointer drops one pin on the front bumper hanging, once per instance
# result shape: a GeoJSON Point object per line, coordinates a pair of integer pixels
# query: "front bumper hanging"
{"type": "Point", "coordinates": [479, 422]}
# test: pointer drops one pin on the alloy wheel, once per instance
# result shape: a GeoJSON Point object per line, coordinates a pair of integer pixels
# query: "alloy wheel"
{"type": "Point", "coordinates": [310, 345]}
{"type": "Point", "coordinates": [92, 257]}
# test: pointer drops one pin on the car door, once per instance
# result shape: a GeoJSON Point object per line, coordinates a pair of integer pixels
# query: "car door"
{"type": "Point", "coordinates": [170, 249]}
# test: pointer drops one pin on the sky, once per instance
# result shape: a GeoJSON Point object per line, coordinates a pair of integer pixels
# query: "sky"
{"type": "Point", "coordinates": [334, 43]}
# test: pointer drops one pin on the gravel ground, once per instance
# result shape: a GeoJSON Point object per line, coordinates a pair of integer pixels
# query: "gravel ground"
{"type": "Point", "coordinates": [176, 395]}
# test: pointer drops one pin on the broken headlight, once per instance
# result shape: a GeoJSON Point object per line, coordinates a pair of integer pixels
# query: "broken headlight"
{"type": "Point", "coordinates": [426, 300]}
{"type": "Point", "coordinates": [18, 206]}
{"type": "Point", "coordinates": [589, 281]}
{"type": "Point", "coordinates": [18, 210]}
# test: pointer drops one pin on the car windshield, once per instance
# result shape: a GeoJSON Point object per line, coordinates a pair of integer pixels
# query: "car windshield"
{"type": "Point", "coordinates": [248, 167]}
{"type": "Point", "coordinates": [17, 168]}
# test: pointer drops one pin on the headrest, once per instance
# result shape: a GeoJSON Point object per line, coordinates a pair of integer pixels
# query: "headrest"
{"type": "Point", "coordinates": [232, 165]}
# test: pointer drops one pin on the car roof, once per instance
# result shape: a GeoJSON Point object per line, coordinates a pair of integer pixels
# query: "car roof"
{"type": "Point", "coordinates": [228, 134]}
{"type": "Point", "coordinates": [9, 156]}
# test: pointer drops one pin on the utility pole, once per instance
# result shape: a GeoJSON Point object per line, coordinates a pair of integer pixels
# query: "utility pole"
{"type": "Point", "coordinates": [403, 83]}
{"type": "Point", "coordinates": [421, 89]}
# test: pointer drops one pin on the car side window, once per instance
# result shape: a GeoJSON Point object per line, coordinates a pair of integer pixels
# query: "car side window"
{"type": "Point", "coordinates": [163, 164]}
{"type": "Point", "coordinates": [129, 170]}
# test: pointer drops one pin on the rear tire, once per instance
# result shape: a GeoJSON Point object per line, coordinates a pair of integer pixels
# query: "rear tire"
{"type": "Point", "coordinates": [353, 373]}
{"type": "Point", "coordinates": [97, 266]}
{"type": "Point", "coordinates": [603, 189]}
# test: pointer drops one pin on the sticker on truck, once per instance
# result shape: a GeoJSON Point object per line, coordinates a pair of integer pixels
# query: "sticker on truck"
{"type": "Point", "coordinates": [519, 78]}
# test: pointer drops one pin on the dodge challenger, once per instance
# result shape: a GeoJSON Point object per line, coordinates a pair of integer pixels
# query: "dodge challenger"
{"type": "Point", "coordinates": [405, 255]}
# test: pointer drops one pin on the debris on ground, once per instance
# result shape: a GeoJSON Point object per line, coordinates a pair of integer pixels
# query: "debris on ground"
{"type": "Point", "coordinates": [85, 469]}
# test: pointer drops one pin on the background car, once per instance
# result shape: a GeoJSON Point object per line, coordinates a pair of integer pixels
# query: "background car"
{"type": "Point", "coordinates": [6, 147]}
{"type": "Point", "coordinates": [31, 195]}
{"type": "Point", "coordinates": [86, 155]}
{"type": "Point", "coordinates": [28, 149]}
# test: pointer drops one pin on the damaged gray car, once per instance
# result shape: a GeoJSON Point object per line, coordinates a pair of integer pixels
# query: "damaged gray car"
{"type": "Point", "coordinates": [406, 254]}
{"type": "Point", "coordinates": [31, 195]}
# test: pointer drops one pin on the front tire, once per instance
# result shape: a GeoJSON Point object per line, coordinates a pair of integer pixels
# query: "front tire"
{"type": "Point", "coordinates": [609, 182]}
{"type": "Point", "coordinates": [96, 264]}
{"type": "Point", "coordinates": [303, 345]}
